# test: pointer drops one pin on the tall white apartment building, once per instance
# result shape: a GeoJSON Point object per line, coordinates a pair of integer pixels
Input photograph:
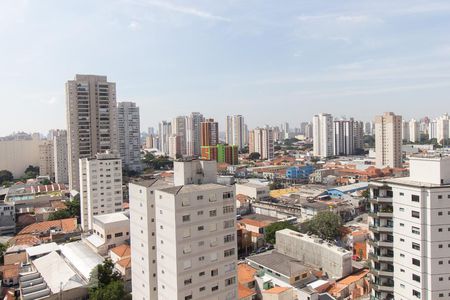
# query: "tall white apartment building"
{"type": "Point", "coordinates": [196, 242]}
{"type": "Point", "coordinates": [323, 135]}
{"type": "Point", "coordinates": [60, 156]}
{"type": "Point", "coordinates": [421, 205]}
{"type": "Point", "coordinates": [388, 140]}
{"type": "Point", "coordinates": [143, 238]}
{"type": "Point", "coordinates": [46, 160]}
{"type": "Point", "coordinates": [235, 132]}
{"type": "Point", "coordinates": [405, 131]}
{"type": "Point", "coordinates": [261, 141]}
{"type": "Point", "coordinates": [183, 236]}
{"type": "Point", "coordinates": [175, 146]}
{"type": "Point", "coordinates": [414, 134]}
{"type": "Point", "coordinates": [101, 187]}
{"type": "Point", "coordinates": [344, 143]}
{"type": "Point", "coordinates": [368, 128]}
{"type": "Point", "coordinates": [91, 120]}
{"type": "Point", "coordinates": [165, 131]}
{"type": "Point", "coordinates": [179, 128]}
{"type": "Point", "coordinates": [442, 128]}
{"type": "Point", "coordinates": [193, 134]}
{"type": "Point", "coordinates": [432, 130]}
{"type": "Point", "coordinates": [129, 135]}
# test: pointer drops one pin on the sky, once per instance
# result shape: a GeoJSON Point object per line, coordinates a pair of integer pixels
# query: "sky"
{"type": "Point", "coordinates": [271, 61]}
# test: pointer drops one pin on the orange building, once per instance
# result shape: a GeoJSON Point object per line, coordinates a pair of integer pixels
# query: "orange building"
{"type": "Point", "coordinates": [209, 133]}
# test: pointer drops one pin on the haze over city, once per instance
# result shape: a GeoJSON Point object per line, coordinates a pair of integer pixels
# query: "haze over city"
{"type": "Point", "coordinates": [267, 61]}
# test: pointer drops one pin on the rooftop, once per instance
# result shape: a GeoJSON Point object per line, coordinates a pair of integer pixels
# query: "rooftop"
{"type": "Point", "coordinates": [81, 257]}
{"type": "Point", "coordinates": [42, 249]}
{"type": "Point", "coordinates": [111, 218]}
{"type": "Point", "coordinates": [245, 273]}
{"type": "Point", "coordinates": [244, 292]}
{"type": "Point", "coordinates": [185, 189]}
{"type": "Point", "coordinates": [276, 290]}
{"type": "Point", "coordinates": [280, 263]}
{"type": "Point", "coordinates": [122, 250]}
{"type": "Point", "coordinates": [154, 183]}
{"type": "Point", "coordinates": [66, 225]}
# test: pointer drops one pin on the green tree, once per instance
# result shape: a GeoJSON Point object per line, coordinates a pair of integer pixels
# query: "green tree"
{"type": "Point", "coordinates": [275, 185]}
{"type": "Point", "coordinates": [326, 225]}
{"type": "Point", "coordinates": [113, 291]}
{"type": "Point", "coordinates": [46, 181]}
{"type": "Point", "coordinates": [74, 207]}
{"type": "Point", "coordinates": [5, 176]}
{"type": "Point", "coordinates": [269, 234]}
{"type": "Point", "coordinates": [366, 194]}
{"type": "Point", "coordinates": [31, 172]}
{"type": "Point", "coordinates": [3, 248]}
{"type": "Point", "coordinates": [254, 156]}
{"type": "Point", "coordinates": [59, 214]}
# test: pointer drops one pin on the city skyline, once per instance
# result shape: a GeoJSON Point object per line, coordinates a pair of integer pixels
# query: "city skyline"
{"type": "Point", "coordinates": [192, 54]}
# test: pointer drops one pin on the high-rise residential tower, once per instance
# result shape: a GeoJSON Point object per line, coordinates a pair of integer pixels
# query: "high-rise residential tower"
{"type": "Point", "coordinates": [414, 134]}
{"type": "Point", "coordinates": [323, 135]}
{"type": "Point", "coordinates": [193, 134]}
{"type": "Point", "coordinates": [344, 143]}
{"type": "Point", "coordinates": [388, 140]}
{"type": "Point", "coordinates": [179, 128]}
{"type": "Point", "coordinates": [100, 187]}
{"type": "Point", "coordinates": [235, 131]}
{"type": "Point", "coordinates": [165, 131]}
{"type": "Point", "coordinates": [129, 135]}
{"type": "Point", "coordinates": [91, 120]}
{"type": "Point", "coordinates": [209, 133]}
{"type": "Point", "coordinates": [46, 159]}
{"type": "Point", "coordinates": [60, 156]}
{"type": "Point", "coordinates": [261, 141]}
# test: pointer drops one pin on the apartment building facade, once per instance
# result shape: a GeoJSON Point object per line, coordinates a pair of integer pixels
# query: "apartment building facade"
{"type": "Point", "coordinates": [129, 135]}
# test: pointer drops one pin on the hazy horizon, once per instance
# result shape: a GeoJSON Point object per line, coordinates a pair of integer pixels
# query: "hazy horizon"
{"type": "Point", "coordinates": [271, 63]}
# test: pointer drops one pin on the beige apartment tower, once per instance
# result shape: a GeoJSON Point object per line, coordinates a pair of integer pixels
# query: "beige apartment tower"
{"type": "Point", "coordinates": [388, 140]}
{"type": "Point", "coordinates": [91, 120]}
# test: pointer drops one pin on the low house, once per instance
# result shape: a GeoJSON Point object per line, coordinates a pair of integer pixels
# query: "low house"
{"type": "Point", "coordinates": [121, 257]}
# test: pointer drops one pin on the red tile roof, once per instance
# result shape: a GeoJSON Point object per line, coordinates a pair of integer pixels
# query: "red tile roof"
{"type": "Point", "coordinates": [66, 225]}
{"type": "Point", "coordinates": [122, 251]}
{"type": "Point", "coordinates": [244, 292]}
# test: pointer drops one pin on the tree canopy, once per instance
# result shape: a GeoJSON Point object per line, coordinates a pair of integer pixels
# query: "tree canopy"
{"type": "Point", "coordinates": [5, 176]}
{"type": "Point", "coordinates": [254, 156]}
{"type": "Point", "coordinates": [106, 283]}
{"type": "Point", "coordinates": [325, 224]}
{"type": "Point", "coordinates": [158, 162]}
{"type": "Point", "coordinates": [31, 172]}
{"type": "Point", "coordinates": [3, 248]}
{"type": "Point", "coordinates": [72, 211]}
{"type": "Point", "coordinates": [270, 230]}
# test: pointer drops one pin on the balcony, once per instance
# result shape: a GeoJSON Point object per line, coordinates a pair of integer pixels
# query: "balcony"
{"type": "Point", "coordinates": [383, 273]}
{"type": "Point", "coordinates": [381, 258]}
{"type": "Point", "coordinates": [383, 243]}
{"type": "Point", "coordinates": [383, 288]}
{"type": "Point", "coordinates": [381, 214]}
{"type": "Point", "coordinates": [381, 229]}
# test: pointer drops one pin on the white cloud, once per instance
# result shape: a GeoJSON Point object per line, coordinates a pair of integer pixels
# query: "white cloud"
{"type": "Point", "coordinates": [338, 18]}
{"type": "Point", "coordinates": [183, 10]}
{"type": "Point", "coordinates": [134, 26]}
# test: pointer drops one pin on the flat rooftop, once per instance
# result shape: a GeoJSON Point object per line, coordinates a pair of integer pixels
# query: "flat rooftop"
{"type": "Point", "coordinates": [280, 263]}
{"type": "Point", "coordinates": [186, 189]}
{"type": "Point", "coordinates": [111, 218]}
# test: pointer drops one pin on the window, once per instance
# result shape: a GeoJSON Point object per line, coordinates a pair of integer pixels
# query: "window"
{"type": "Point", "coordinates": [439, 196]}
{"type": "Point", "coordinates": [227, 195]}
{"type": "Point", "coordinates": [189, 297]}
{"type": "Point", "coordinates": [416, 294]}
{"type": "Point", "coordinates": [415, 198]}
{"type": "Point", "coordinates": [228, 209]}
{"type": "Point", "coordinates": [402, 239]}
{"type": "Point", "coordinates": [199, 197]}
{"type": "Point", "coordinates": [200, 213]}
{"type": "Point", "coordinates": [441, 278]}
{"type": "Point", "coordinates": [440, 213]}
{"type": "Point", "coordinates": [119, 234]}
{"type": "Point", "coordinates": [440, 230]}
{"type": "Point", "coordinates": [188, 281]}
{"type": "Point", "coordinates": [215, 288]}
{"type": "Point", "coordinates": [415, 246]}
{"type": "Point", "coordinates": [416, 277]}
{"type": "Point", "coordinates": [415, 214]}
{"type": "Point", "coordinates": [187, 264]}
{"type": "Point", "coordinates": [440, 246]}
{"type": "Point", "coordinates": [201, 258]}
{"type": "Point", "coordinates": [201, 243]}
{"type": "Point", "coordinates": [228, 238]}
{"type": "Point", "coordinates": [416, 262]}
{"type": "Point", "coordinates": [230, 281]}
{"type": "Point", "coordinates": [401, 209]}
{"type": "Point", "coordinates": [415, 230]}
{"type": "Point", "coordinates": [201, 289]}
{"type": "Point", "coordinates": [402, 255]}
{"type": "Point", "coordinates": [214, 272]}
{"type": "Point", "coordinates": [108, 236]}
{"type": "Point", "coordinates": [186, 218]}
{"type": "Point", "coordinates": [228, 224]}
{"type": "Point", "coordinates": [228, 252]}
{"type": "Point", "coordinates": [213, 213]}
{"type": "Point", "coordinates": [402, 225]}
{"type": "Point", "coordinates": [402, 194]}
{"type": "Point", "coordinates": [441, 262]}
{"type": "Point", "coordinates": [201, 274]}
{"type": "Point", "coordinates": [200, 228]}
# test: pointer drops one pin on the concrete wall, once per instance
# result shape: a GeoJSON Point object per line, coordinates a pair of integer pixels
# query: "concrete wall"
{"type": "Point", "coordinates": [16, 156]}
{"type": "Point", "coordinates": [335, 261]}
